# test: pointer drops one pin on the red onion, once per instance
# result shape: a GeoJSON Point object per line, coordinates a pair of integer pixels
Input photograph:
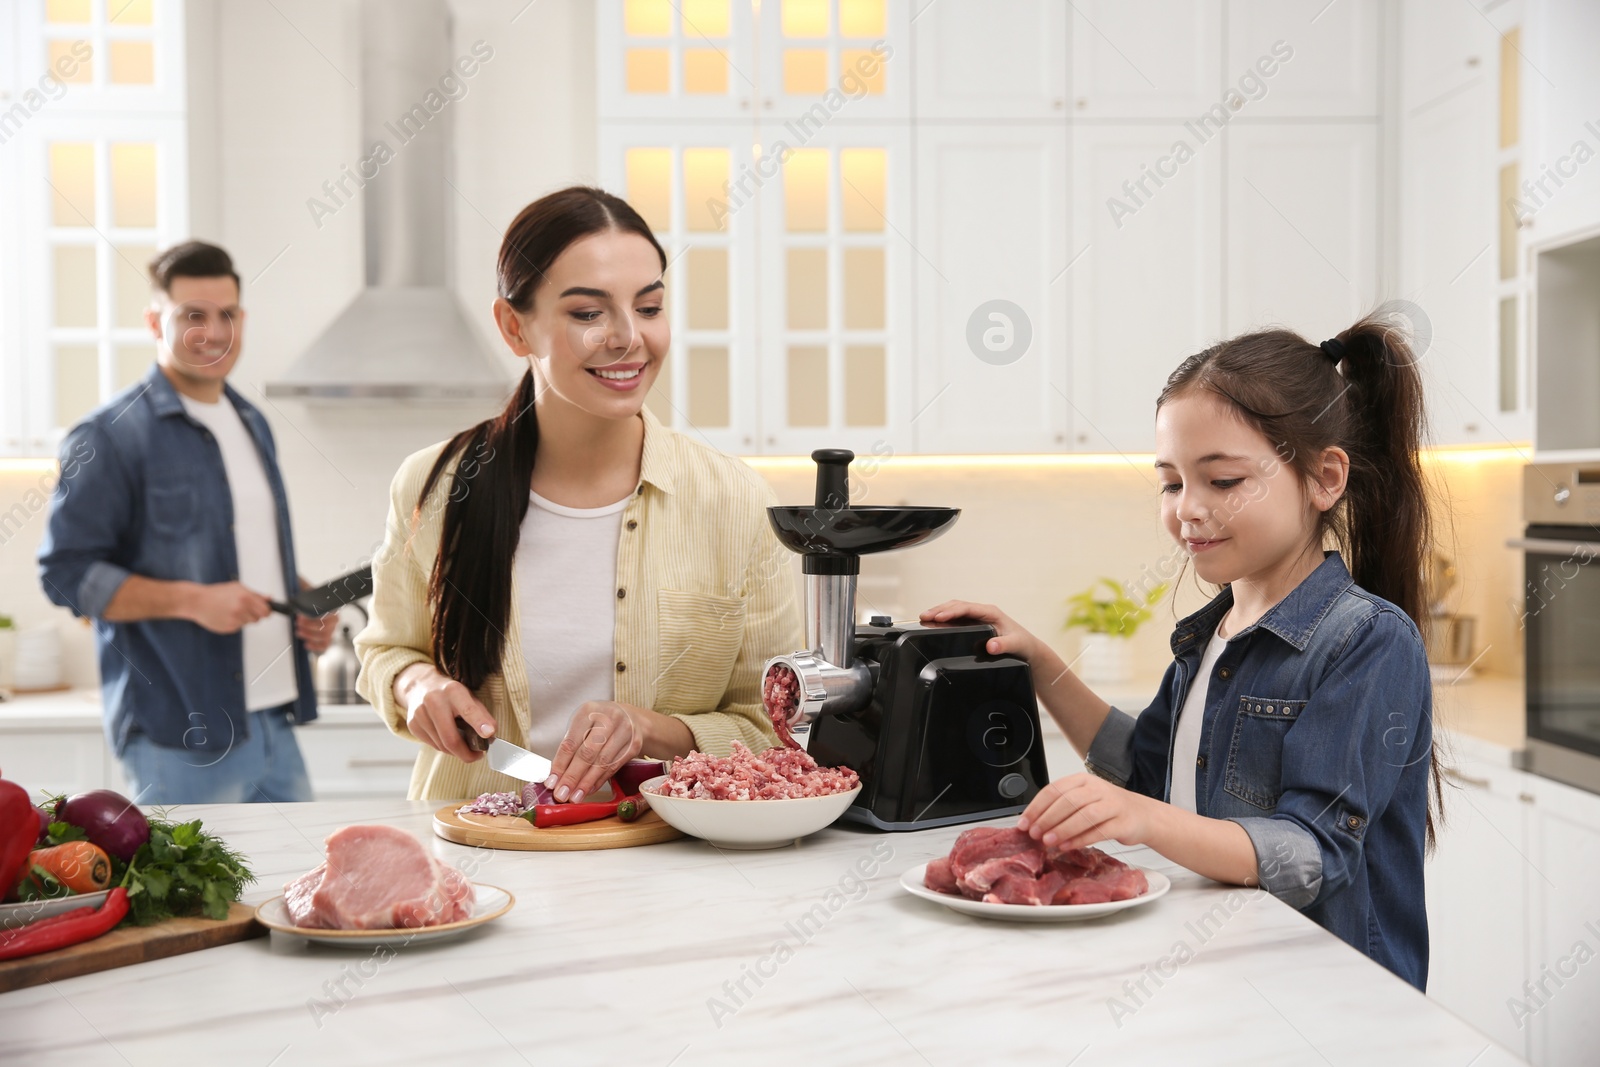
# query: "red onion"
{"type": "Point", "coordinates": [108, 819]}
{"type": "Point", "coordinates": [635, 772]}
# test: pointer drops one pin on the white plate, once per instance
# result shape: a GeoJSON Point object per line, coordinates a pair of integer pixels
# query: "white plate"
{"type": "Point", "coordinates": [748, 824]}
{"type": "Point", "coordinates": [489, 903]}
{"type": "Point", "coordinates": [27, 911]}
{"type": "Point", "coordinates": [911, 882]}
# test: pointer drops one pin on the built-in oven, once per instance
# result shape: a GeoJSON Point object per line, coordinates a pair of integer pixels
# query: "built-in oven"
{"type": "Point", "coordinates": [1561, 620]}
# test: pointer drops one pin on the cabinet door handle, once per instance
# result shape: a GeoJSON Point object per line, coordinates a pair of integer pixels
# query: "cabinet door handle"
{"type": "Point", "coordinates": [1466, 779]}
{"type": "Point", "coordinates": [368, 761]}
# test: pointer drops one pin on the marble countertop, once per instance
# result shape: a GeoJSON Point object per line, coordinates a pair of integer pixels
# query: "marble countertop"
{"type": "Point", "coordinates": [683, 954]}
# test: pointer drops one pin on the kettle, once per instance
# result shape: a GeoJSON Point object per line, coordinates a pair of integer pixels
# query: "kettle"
{"type": "Point", "coordinates": [335, 669]}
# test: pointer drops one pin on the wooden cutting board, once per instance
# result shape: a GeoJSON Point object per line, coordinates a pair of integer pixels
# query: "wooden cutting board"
{"type": "Point", "coordinates": [131, 944]}
{"type": "Point", "coordinates": [510, 832]}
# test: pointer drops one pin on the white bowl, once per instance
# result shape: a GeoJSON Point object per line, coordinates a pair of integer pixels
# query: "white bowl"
{"type": "Point", "coordinates": [748, 824]}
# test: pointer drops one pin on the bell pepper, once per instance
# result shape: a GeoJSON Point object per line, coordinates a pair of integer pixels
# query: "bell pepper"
{"type": "Point", "coordinates": [61, 931]}
{"type": "Point", "coordinates": [19, 831]}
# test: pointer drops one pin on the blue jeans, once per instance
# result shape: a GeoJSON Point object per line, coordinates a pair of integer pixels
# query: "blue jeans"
{"type": "Point", "coordinates": [264, 767]}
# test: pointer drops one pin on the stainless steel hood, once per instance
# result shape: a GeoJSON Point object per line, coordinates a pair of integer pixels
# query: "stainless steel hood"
{"type": "Point", "coordinates": [403, 337]}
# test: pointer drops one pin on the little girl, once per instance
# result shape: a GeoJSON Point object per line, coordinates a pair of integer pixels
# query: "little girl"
{"type": "Point", "coordinates": [1290, 745]}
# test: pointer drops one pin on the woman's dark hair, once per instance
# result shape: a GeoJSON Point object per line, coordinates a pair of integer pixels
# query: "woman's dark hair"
{"type": "Point", "coordinates": [470, 587]}
{"type": "Point", "coordinates": [1293, 393]}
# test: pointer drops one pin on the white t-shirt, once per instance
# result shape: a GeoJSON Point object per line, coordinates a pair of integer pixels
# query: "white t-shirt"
{"type": "Point", "coordinates": [1186, 741]}
{"type": "Point", "coordinates": [268, 657]}
{"type": "Point", "coordinates": [566, 575]}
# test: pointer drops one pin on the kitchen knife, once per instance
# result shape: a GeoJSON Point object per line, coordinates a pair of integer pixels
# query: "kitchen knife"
{"type": "Point", "coordinates": [504, 756]}
{"type": "Point", "coordinates": [327, 598]}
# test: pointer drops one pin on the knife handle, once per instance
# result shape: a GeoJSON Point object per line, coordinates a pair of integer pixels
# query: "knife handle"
{"type": "Point", "coordinates": [474, 740]}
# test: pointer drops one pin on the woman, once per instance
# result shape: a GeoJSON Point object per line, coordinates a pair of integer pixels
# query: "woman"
{"type": "Point", "coordinates": [571, 575]}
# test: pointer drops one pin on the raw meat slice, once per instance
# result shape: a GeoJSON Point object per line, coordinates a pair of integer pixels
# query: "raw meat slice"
{"type": "Point", "coordinates": [378, 877]}
{"type": "Point", "coordinates": [1019, 889]}
{"type": "Point", "coordinates": [939, 877]}
{"type": "Point", "coordinates": [1006, 866]}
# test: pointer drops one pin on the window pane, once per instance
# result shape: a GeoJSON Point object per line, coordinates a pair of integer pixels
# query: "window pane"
{"type": "Point", "coordinates": [705, 71]}
{"type": "Point", "coordinates": [133, 63]}
{"type": "Point", "coordinates": [805, 190]}
{"type": "Point", "coordinates": [705, 173]}
{"type": "Point", "coordinates": [650, 185]}
{"type": "Point", "coordinates": [66, 11]}
{"type": "Point", "coordinates": [863, 289]}
{"type": "Point", "coordinates": [805, 71]}
{"type": "Point", "coordinates": [1508, 354]}
{"type": "Point", "coordinates": [68, 67]}
{"type": "Point", "coordinates": [132, 362]}
{"type": "Point", "coordinates": [808, 288]}
{"type": "Point", "coordinates": [805, 18]}
{"type": "Point", "coordinates": [133, 185]}
{"type": "Point", "coordinates": [132, 282]}
{"type": "Point", "coordinates": [131, 12]}
{"type": "Point", "coordinates": [863, 174]}
{"type": "Point", "coordinates": [649, 70]}
{"type": "Point", "coordinates": [708, 288]}
{"type": "Point", "coordinates": [72, 181]}
{"type": "Point", "coordinates": [1510, 87]}
{"type": "Point", "coordinates": [866, 393]}
{"type": "Point", "coordinates": [861, 18]}
{"type": "Point", "coordinates": [862, 64]}
{"type": "Point", "coordinates": [1508, 221]}
{"type": "Point", "coordinates": [705, 18]}
{"type": "Point", "coordinates": [75, 286]}
{"type": "Point", "coordinates": [647, 18]}
{"type": "Point", "coordinates": [660, 399]}
{"type": "Point", "coordinates": [77, 382]}
{"type": "Point", "coordinates": [808, 385]}
{"type": "Point", "coordinates": [708, 386]}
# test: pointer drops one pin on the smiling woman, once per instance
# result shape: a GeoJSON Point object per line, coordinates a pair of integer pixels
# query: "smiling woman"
{"type": "Point", "coordinates": [549, 575]}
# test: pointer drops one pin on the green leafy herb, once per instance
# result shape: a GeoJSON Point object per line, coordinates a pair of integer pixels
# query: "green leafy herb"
{"type": "Point", "coordinates": [182, 870]}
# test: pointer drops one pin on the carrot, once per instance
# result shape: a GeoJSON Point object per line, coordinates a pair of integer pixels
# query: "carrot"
{"type": "Point", "coordinates": [78, 865]}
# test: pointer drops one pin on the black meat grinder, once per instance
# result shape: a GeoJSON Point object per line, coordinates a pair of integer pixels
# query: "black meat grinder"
{"type": "Point", "coordinates": [940, 731]}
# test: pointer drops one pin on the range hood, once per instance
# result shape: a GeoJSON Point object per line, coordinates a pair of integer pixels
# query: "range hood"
{"type": "Point", "coordinates": [403, 337]}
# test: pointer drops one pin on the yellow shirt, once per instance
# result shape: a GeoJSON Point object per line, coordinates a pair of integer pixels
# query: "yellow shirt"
{"type": "Point", "coordinates": [706, 597]}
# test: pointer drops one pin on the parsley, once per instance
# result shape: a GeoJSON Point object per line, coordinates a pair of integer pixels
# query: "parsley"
{"type": "Point", "coordinates": [182, 871]}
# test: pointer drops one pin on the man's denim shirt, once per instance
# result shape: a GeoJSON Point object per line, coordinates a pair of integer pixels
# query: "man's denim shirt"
{"type": "Point", "coordinates": [143, 492]}
{"type": "Point", "coordinates": [1316, 739]}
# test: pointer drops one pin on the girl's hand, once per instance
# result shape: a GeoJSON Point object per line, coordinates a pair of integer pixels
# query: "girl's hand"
{"type": "Point", "coordinates": [433, 701]}
{"type": "Point", "coordinates": [1009, 639]}
{"type": "Point", "coordinates": [1081, 810]}
{"type": "Point", "coordinates": [600, 739]}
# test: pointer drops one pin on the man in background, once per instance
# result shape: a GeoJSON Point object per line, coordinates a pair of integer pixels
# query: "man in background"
{"type": "Point", "coordinates": [172, 534]}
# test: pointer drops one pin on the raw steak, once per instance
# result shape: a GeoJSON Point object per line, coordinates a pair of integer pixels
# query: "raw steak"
{"type": "Point", "coordinates": [378, 877]}
{"type": "Point", "coordinates": [1006, 866]}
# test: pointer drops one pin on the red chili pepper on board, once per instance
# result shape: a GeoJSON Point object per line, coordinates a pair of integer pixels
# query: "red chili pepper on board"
{"type": "Point", "coordinates": [547, 815]}
{"type": "Point", "coordinates": [60, 931]}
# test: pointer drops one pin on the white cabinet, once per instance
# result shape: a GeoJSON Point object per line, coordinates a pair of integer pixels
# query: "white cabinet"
{"type": "Point", "coordinates": [1564, 971]}
{"type": "Point", "coordinates": [347, 759]}
{"type": "Point", "coordinates": [1145, 277]}
{"type": "Point", "coordinates": [1305, 57]}
{"type": "Point", "coordinates": [1146, 58]}
{"type": "Point", "coordinates": [661, 61]}
{"type": "Point", "coordinates": [998, 59]}
{"type": "Point", "coordinates": [1444, 44]}
{"type": "Point", "coordinates": [822, 60]}
{"type": "Point", "coordinates": [1478, 900]}
{"type": "Point", "coordinates": [992, 269]}
{"type": "Point", "coordinates": [1302, 226]}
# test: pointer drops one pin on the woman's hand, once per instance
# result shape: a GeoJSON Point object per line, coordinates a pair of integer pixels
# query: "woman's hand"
{"type": "Point", "coordinates": [433, 701]}
{"type": "Point", "coordinates": [1009, 639]}
{"type": "Point", "coordinates": [1081, 810]}
{"type": "Point", "coordinates": [602, 736]}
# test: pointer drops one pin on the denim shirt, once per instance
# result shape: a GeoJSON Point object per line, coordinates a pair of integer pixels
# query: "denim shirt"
{"type": "Point", "coordinates": [1316, 740]}
{"type": "Point", "coordinates": [143, 491]}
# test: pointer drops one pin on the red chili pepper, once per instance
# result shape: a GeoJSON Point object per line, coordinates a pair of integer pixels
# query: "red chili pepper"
{"type": "Point", "coordinates": [60, 931]}
{"type": "Point", "coordinates": [546, 815]}
{"type": "Point", "coordinates": [19, 832]}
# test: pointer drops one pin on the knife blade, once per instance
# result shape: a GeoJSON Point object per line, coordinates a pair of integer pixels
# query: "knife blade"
{"type": "Point", "coordinates": [518, 762]}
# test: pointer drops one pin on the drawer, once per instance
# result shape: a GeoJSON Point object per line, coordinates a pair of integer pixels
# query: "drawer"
{"type": "Point", "coordinates": [57, 761]}
{"type": "Point", "coordinates": [355, 761]}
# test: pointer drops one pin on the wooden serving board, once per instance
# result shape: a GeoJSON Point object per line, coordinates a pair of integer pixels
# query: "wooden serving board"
{"type": "Point", "coordinates": [511, 832]}
{"type": "Point", "coordinates": [131, 944]}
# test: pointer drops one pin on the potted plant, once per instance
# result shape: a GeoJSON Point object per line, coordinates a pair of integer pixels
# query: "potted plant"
{"type": "Point", "coordinates": [8, 629]}
{"type": "Point", "coordinates": [1109, 619]}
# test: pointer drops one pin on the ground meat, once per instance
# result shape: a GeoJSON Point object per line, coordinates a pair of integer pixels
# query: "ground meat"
{"type": "Point", "coordinates": [494, 804]}
{"type": "Point", "coordinates": [776, 774]}
{"type": "Point", "coordinates": [780, 692]}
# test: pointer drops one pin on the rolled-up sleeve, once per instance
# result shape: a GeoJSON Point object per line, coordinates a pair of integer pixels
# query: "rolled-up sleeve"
{"type": "Point", "coordinates": [90, 513]}
{"type": "Point", "coordinates": [1367, 724]}
{"type": "Point", "coordinates": [1110, 754]}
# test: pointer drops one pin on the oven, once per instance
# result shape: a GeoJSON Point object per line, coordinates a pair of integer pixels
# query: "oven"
{"type": "Point", "coordinates": [1561, 620]}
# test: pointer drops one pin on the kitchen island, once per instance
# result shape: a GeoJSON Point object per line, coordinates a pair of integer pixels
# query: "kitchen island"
{"type": "Point", "coordinates": [683, 954]}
